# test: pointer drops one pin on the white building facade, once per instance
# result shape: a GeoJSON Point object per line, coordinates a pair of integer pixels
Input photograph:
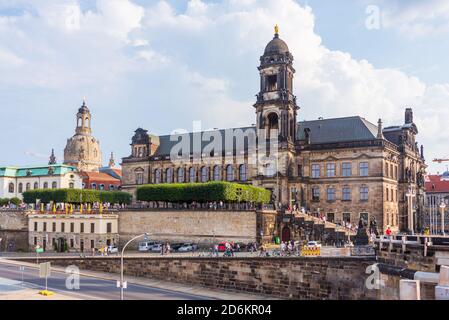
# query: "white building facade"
{"type": "Point", "coordinates": [14, 181]}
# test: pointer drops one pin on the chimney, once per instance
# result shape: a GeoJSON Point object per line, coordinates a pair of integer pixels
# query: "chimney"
{"type": "Point", "coordinates": [379, 129]}
{"type": "Point", "coordinates": [408, 116]}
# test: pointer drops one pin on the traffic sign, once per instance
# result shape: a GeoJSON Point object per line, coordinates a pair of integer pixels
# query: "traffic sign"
{"type": "Point", "coordinates": [44, 270]}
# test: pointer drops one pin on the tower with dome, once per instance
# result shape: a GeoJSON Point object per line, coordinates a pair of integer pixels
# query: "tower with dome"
{"type": "Point", "coordinates": [83, 150]}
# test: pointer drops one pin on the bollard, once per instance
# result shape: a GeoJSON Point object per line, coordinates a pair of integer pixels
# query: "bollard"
{"type": "Point", "coordinates": [404, 239]}
{"type": "Point", "coordinates": [409, 290]}
{"type": "Point", "coordinates": [390, 245]}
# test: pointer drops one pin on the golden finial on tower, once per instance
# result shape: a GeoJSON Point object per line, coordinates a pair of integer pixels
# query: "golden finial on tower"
{"type": "Point", "coordinates": [276, 29]}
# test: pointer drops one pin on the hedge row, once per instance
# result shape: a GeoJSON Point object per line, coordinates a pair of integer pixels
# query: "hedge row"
{"type": "Point", "coordinates": [76, 196]}
{"type": "Point", "coordinates": [6, 201]}
{"type": "Point", "coordinates": [203, 192]}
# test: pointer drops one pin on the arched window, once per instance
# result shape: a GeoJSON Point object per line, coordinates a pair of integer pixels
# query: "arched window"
{"type": "Point", "coordinates": [181, 175]}
{"type": "Point", "coordinates": [54, 185]}
{"type": "Point", "coordinates": [11, 188]}
{"type": "Point", "coordinates": [204, 174]}
{"type": "Point", "coordinates": [45, 185]}
{"type": "Point", "coordinates": [101, 186]}
{"type": "Point", "coordinates": [111, 187]}
{"type": "Point", "coordinates": [28, 186]}
{"type": "Point", "coordinates": [192, 174]}
{"type": "Point", "coordinates": [243, 170]}
{"type": "Point", "coordinates": [36, 185]}
{"type": "Point", "coordinates": [169, 175]}
{"type": "Point", "coordinates": [94, 186]}
{"type": "Point", "coordinates": [157, 176]}
{"type": "Point", "coordinates": [229, 173]}
{"type": "Point", "coordinates": [20, 187]}
{"type": "Point", "coordinates": [71, 185]}
{"type": "Point", "coordinates": [217, 173]}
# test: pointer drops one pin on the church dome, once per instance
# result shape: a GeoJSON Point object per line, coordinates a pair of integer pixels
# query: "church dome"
{"type": "Point", "coordinates": [276, 45]}
{"type": "Point", "coordinates": [84, 108]}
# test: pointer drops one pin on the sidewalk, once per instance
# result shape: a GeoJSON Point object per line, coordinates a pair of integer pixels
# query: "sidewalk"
{"type": "Point", "coordinates": [177, 287]}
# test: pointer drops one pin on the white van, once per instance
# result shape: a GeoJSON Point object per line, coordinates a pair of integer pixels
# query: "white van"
{"type": "Point", "coordinates": [146, 245]}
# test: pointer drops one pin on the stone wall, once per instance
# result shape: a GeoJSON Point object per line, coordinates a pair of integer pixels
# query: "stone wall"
{"type": "Point", "coordinates": [286, 278]}
{"type": "Point", "coordinates": [13, 231]}
{"type": "Point", "coordinates": [204, 227]}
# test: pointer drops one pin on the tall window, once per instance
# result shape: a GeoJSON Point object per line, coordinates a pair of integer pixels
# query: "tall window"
{"type": "Point", "coordinates": [316, 194]}
{"type": "Point", "coordinates": [346, 169]}
{"type": "Point", "coordinates": [28, 186]}
{"type": "Point", "coordinates": [346, 194]}
{"type": "Point", "coordinates": [20, 187]}
{"type": "Point", "coordinates": [315, 170]}
{"type": "Point", "coordinates": [45, 185]}
{"type": "Point", "coordinates": [270, 170]}
{"type": "Point", "coordinates": [71, 185]}
{"type": "Point", "coordinates": [36, 185]}
{"type": "Point", "coordinates": [157, 176]}
{"type": "Point", "coordinates": [364, 193]}
{"type": "Point", "coordinates": [192, 174]}
{"type": "Point", "coordinates": [387, 192]}
{"type": "Point", "coordinates": [94, 186]}
{"type": "Point", "coordinates": [11, 188]}
{"type": "Point", "coordinates": [387, 173]}
{"type": "Point", "coordinates": [139, 176]}
{"type": "Point", "coordinates": [242, 170]}
{"type": "Point", "coordinates": [330, 169]}
{"type": "Point", "coordinates": [181, 175]}
{"type": "Point", "coordinates": [331, 194]}
{"type": "Point", "coordinates": [229, 173]}
{"type": "Point", "coordinates": [169, 175]}
{"type": "Point", "coordinates": [217, 173]}
{"type": "Point", "coordinates": [109, 227]}
{"type": "Point", "coordinates": [363, 169]}
{"type": "Point", "coordinates": [204, 174]}
{"type": "Point", "coordinates": [102, 186]}
{"type": "Point", "coordinates": [54, 185]}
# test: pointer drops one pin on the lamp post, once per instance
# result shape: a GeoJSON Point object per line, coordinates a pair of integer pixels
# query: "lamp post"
{"type": "Point", "coordinates": [121, 261]}
{"type": "Point", "coordinates": [410, 194]}
{"type": "Point", "coordinates": [442, 207]}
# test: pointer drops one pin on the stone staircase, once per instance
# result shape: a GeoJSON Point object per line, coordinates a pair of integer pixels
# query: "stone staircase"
{"type": "Point", "coordinates": [313, 228]}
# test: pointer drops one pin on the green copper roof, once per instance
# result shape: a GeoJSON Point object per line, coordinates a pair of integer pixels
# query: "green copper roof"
{"type": "Point", "coordinates": [36, 171]}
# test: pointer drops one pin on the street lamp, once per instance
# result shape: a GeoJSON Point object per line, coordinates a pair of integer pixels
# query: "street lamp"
{"type": "Point", "coordinates": [410, 194]}
{"type": "Point", "coordinates": [442, 207]}
{"type": "Point", "coordinates": [121, 261]}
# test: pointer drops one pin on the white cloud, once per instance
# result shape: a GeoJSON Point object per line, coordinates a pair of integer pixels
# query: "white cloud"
{"type": "Point", "coordinates": [416, 18]}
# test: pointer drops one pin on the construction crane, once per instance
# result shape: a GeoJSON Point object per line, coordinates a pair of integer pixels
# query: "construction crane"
{"type": "Point", "coordinates": [440, 160]}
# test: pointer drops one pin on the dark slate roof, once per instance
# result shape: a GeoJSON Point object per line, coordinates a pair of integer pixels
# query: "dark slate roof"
{"type": "Point", "coordinates": [166, 145]}
{"type": "Point", "coordinates": [276, 45]}
{"type": "Point", "coordinates": [337, 130]}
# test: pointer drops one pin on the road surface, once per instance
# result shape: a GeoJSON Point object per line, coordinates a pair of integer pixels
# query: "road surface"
{"type": "Point", "coordinates": [90, 288]}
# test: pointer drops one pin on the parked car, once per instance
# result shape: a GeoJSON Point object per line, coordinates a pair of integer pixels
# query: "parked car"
{"type": "Point", "coordinates": [188, 247]}
{"type": "Point", "coordinates": [222, 247]}
{"type": "Point", "coordinates": [316, 244]}
{"type": "Point", "coordinates": [176, 246]}
{"type": "Point", "coordinates": [157, 247]}
{"type": "Point", "coordinates": [112, 249]}
{"type": "Point", "coordinates": [146, 245]}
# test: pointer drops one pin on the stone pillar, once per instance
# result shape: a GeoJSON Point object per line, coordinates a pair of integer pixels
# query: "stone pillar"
{"type": "Point", "coordinates": [409, 290]}
{"type": "Point", "coordinates": [442, 289]}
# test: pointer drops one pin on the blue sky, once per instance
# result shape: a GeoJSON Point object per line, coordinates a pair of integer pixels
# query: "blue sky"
{"type": "Point", "coordinates": [163, 64]}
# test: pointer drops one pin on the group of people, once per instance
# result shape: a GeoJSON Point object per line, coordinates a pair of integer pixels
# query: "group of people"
{"type": "Point", "coordinates": [165, 248]}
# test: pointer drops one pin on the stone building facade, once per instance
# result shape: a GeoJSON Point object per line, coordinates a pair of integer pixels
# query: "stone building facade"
{"type": "Point", "coordinates": [344, 168]}
{"type": "Point", "coordinates": [83, 150]}
{"type": "Point", "coordinates": [76, 232]}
